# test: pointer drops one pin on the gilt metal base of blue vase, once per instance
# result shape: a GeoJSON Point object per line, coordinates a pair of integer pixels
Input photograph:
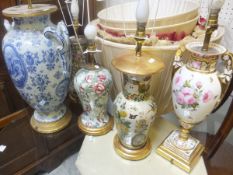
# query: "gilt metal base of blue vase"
{"type": "Point", "coordinates": [51, 127]}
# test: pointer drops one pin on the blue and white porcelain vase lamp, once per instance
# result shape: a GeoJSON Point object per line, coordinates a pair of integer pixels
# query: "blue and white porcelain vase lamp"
{"type": "Point", "coordinates": [197, 89]}
{"type": "Point", "coordinates": [93, 84]}
{"type": "Point", "coordinates": [37, 56]}
{"type": "Point", "coordinates": [134, 109]}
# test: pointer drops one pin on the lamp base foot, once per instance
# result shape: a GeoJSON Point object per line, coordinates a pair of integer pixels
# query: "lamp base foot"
{"type": "Point", "coordinates": [185, 159]}
{"type": "Point", "coordinates": [131, 154]}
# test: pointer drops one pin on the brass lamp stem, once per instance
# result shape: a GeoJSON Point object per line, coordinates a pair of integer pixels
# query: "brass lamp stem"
{"type": "Point", "coordinates": [140, 38]}
{"type": "Point", "coordinates": [91, 48]}
{"type": "Point", "coordinates": [185, 130]}
{"type": "Point", "coordinates": [30, 4]}
{"type": "Point", "coordinates": [75, 25]}
{"type": "Point", "coordinates": [212, 25]}
{"type": "Point", "coordinates": [184, 134]}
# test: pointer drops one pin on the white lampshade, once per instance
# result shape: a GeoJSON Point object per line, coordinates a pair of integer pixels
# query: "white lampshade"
{"type": "Point", "coordinates": [90, 32]}
{"type": "Point", "coordinates": [142, 11]}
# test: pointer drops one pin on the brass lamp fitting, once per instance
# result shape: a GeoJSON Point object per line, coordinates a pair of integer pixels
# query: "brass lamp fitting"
{"type": "Point", "coordinates": [90, 33]}
{"type": "Point", "coordinates": [140, 37]}
{"type": "Point", "coordinates": [75, 23]}
{"type": "Point", "coordinates": [212, 25]}
{"type": "Point", "coordinates": [91, 50]}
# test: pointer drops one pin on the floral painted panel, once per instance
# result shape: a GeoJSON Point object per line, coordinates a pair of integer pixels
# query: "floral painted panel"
{"type": "Point", "coordinates": [194, 94]}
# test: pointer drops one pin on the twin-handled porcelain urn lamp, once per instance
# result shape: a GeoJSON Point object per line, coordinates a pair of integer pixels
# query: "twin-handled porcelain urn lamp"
{"type": "Point", "coordinates": [37, 56]}
{"type": "Point", "coordinates": [197, 89]}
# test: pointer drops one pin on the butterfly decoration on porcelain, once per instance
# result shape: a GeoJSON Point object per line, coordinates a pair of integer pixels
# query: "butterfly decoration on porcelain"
{"type": "Point", "coordinates": [134, 110]}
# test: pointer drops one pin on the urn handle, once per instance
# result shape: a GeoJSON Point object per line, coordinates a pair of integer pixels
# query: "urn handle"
{"type": "Point", "coordinates": [226, 76]}
{"type": "Point", "coordinates": [178, 60]}
{"type": "Point", "coordinates": [8, 26]}
{"type": "Point", "coordinates": [61, 35]}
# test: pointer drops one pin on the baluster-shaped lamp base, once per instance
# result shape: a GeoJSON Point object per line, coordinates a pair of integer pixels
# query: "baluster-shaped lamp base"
{"type": "Point", "coordinates": [131, 154]}
{"type": "Point", "coordinates": [185, 158]}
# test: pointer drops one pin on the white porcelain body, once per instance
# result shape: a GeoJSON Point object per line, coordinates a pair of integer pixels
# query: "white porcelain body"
{"type": "Point", "coordinates": [197, 85]}
{"type": "Point", "coordinates": [37, 57]}
{"type": "Point", "coordinates": [93, 87]}
{"type": "Point", "coordinates": [134, 111]}
{"type": "Point", "coordinates": [194, 94]}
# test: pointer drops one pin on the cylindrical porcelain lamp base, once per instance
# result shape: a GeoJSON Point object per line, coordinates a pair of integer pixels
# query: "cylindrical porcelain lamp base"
{"type": "Point", "coordinates": [96, 131]}
{"type": "Point", "coordinates": [51, 127]}
{"type": "Point", "coordinates": [131, 154]}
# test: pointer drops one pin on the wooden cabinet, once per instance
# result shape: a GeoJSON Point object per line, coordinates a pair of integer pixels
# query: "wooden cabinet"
{"type": "Point", "coordinates": [29, 152]}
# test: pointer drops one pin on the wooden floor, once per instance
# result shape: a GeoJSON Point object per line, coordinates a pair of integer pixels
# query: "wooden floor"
{"type": "Point", "coordinates": [222, 162]}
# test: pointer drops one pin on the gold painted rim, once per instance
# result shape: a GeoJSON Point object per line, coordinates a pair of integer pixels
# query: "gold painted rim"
{"type": "Point", "coordinates": [96, 131]}
{"type": "Point", "coordinates": [146, 64]}
{"type": "Point", "coordinates": [52, 127]}
{"type": "Point", "coordinates": [131, 154]}
{"type": "Point", "coordinates": [26, 12]}
{"type": "Point", "coordinates": [221, 49]}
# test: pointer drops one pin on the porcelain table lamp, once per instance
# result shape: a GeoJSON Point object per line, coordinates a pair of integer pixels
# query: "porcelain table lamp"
{"type": "Point", "coordinates": [134, 109]}
{"type": "Point", "coordinates": [37, 56]}
{"type": "Point", "coordinates": [197, 88]}
{"type": "Point", "coordinates": [93, 84]}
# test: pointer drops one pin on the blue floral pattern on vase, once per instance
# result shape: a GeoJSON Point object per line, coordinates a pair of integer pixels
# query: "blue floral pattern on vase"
{"type": "Point", "coordinates": [61, 88]}
{"type": "Point", "coordinates": [16, 66]}
{"type": "Point", "coordinates": [39, 65]}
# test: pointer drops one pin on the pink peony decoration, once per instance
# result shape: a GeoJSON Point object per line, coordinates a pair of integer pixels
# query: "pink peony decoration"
{"type": "Point", "coordinates": [88, 78]}
{"type": "Point", "coordinates": [177, 80]}
{"type": "Point", "coordinates": [187, 91]}
{"type": "Point", "coordinates": [196, 64]}
{"type": "Point", "coordinates": [101, 77]}
{"type": "Point", "coordinates": [99, 88]}
{"type": "Point", "coordinates": [199, 84]}
{"type": "Point", "coordinates": [190, 100]}
{"type": "Point", "coordinates": [180, 98]}
{"type": "Point", "coordinates": [207, 96]}
{"type": "Point", "coordinates": [81, 89]}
